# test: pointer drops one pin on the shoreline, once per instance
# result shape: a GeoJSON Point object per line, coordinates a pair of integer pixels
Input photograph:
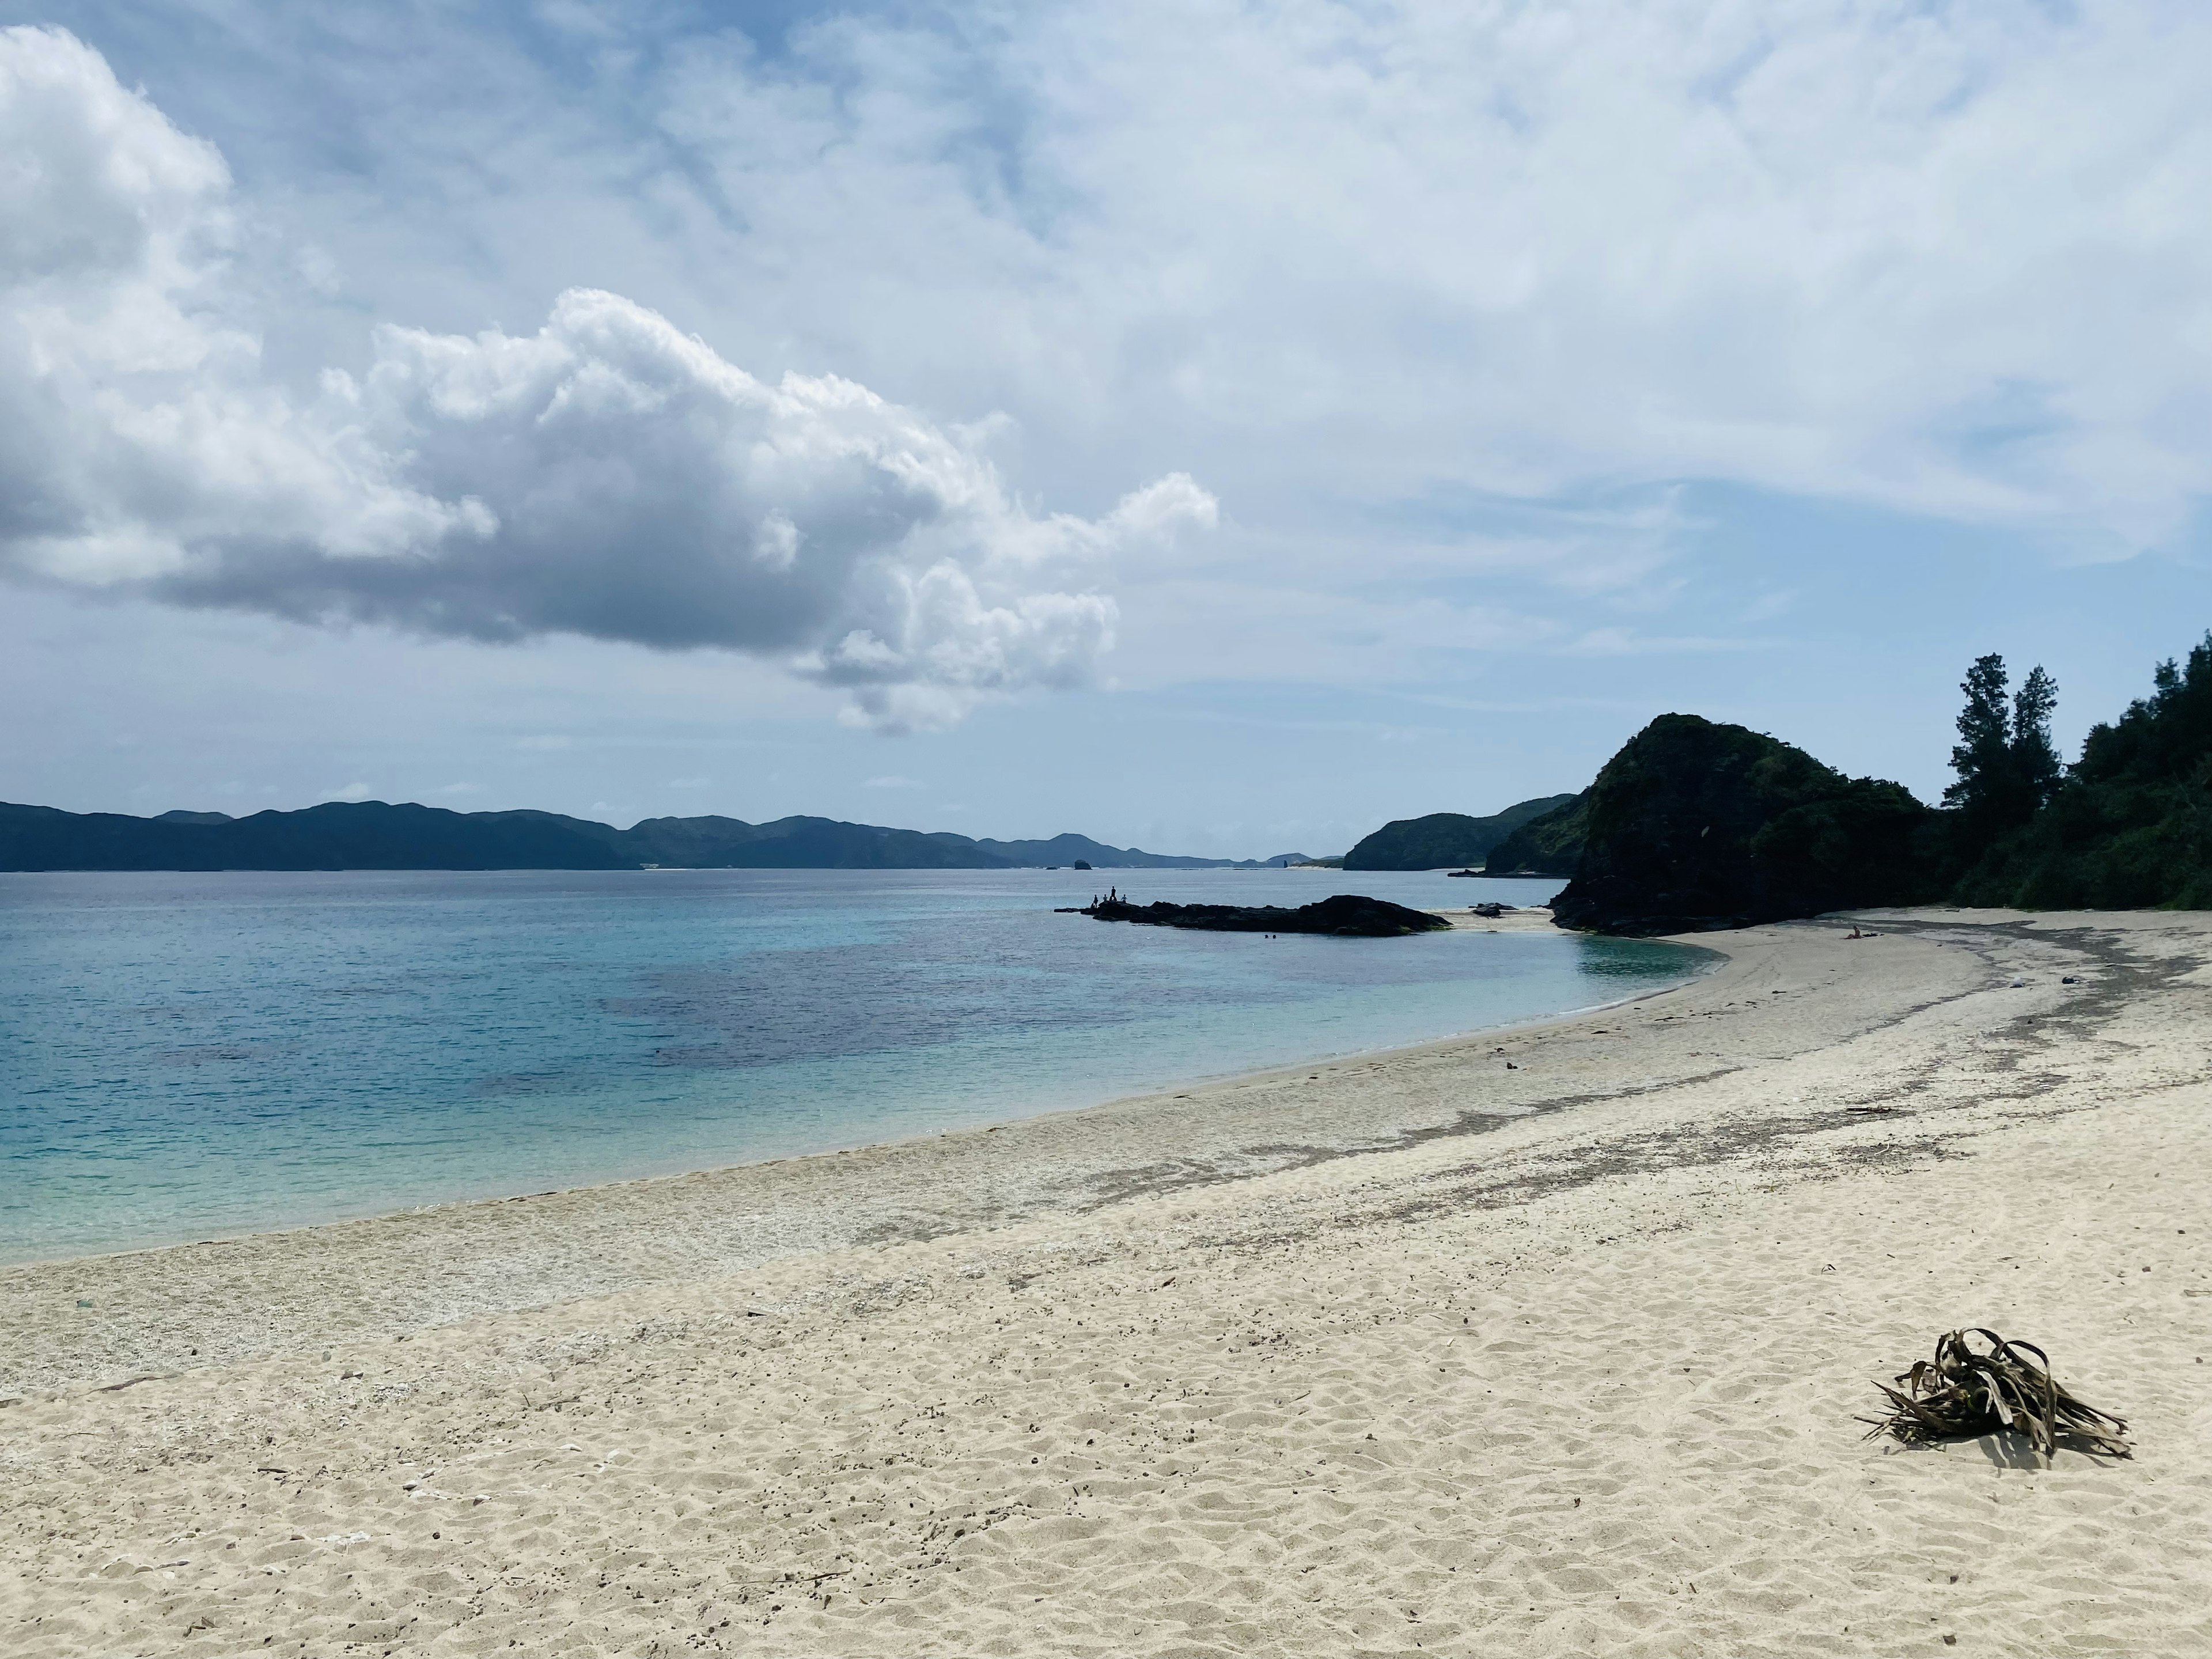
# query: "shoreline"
{"type": "Point", "coordinates": [1189, 1089]}
{"type": "Point", "coordinates": [1533, 918]}
{"type": "Point", "coordinates": [1406, 1353]}
{"type": "Point", "coordinates": [1226, 1156]}
{"type": "Point", "coordinates": [734, 1218]}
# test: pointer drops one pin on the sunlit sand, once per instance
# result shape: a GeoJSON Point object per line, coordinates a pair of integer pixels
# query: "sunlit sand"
{"type": "Point", "coordinates": [1407, 1353]}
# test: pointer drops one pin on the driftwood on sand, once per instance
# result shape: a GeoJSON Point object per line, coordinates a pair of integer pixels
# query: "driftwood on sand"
{"type": "Point", "coordinates": [1963, 1392]}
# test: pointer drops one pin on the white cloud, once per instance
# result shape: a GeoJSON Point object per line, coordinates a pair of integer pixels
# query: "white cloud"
{"type": "Point", "coordinates": [1950, 260]}
{"type": "Point", "coordinates": [135, 424]}
{"type": "Point", "coordinates": [607, 475]}
{"type": "Point", "coordinates": [1442, 300]}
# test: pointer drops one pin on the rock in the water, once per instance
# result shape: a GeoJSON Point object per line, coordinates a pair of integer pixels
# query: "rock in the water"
{"type": "Point", "coordinates": [1346, 915]}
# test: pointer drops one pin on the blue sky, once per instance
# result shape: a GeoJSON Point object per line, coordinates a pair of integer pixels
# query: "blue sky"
{"type": "Point", "coordinates": [1220, 428]}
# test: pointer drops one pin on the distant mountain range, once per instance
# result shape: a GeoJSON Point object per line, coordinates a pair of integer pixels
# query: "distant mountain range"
{"type": "Point", "coordinates": [375, 835]}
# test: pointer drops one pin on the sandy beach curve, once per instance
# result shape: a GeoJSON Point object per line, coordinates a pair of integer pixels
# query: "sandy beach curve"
{"type": "Point", "coordinates": [1549, 1341]}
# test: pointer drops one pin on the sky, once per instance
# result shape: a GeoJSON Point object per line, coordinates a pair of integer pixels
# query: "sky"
{"type": "Point", "coordinates": [1219, 428]}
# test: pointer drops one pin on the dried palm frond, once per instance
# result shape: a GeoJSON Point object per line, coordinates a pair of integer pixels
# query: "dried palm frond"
{"type": "Point", "coordinates": [1962, 1393]}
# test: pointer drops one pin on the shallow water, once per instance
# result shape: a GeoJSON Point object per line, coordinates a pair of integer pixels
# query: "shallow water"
{"type": "Point", "coordinates": [184, 1055]}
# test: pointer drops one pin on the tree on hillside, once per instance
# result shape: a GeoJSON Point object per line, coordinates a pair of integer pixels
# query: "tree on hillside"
{"type": "Point", "coordinates": [2132, 823]}
{"type": "Point", "coordinates": [2167, 735]}
{"type": "Point", "coordinates": [2007, 764]}
{"type": "Point", "coordinates": [1979, 757]}
{"type": "Point", "coordinates": [2035, 763]}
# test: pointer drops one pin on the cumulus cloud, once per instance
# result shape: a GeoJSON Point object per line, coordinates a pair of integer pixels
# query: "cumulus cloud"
{"type": "Point", "coordinates": [135, 425]}
{"type": "Point", "coordinates": [607, 475]}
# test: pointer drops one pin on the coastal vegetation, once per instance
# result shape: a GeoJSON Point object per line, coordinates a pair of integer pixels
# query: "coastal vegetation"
{"type": "Point", "coordinates": [1697, 825]}
{"type": "Point", "coordinates": [2128, 825]}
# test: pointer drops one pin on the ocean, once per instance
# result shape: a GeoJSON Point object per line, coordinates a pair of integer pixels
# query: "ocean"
{"type": "Point", "coordinates": [185, 1056]}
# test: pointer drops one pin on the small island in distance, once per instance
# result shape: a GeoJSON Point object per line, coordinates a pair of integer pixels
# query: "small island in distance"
{"type": "Point", "coordinates": [1444, 839]}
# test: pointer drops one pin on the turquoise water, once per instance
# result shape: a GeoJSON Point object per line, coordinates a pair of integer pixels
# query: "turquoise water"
{"type": "Point", "coordinates": [184, 1055]}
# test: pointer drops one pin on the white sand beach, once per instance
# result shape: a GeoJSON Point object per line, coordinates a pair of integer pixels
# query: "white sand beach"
{"type": "Point", "coordinates": [1546, 1342]}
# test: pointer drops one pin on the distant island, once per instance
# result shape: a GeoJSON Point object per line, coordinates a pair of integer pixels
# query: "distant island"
{"type": "Point", "coordinates": [1550, 844]}
{"type": "Point", "coordinates": [377, 835]}
{"type": "Point", "coordinates": [1445, 839]}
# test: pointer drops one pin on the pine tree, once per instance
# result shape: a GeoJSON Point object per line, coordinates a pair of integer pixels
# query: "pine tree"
{"type": "Point", "coordinates": [2035, 765]}
{"type": "Point", "coordinates": [1981, 756]}
{"type": "Point", "coordinates": [2007, 764]}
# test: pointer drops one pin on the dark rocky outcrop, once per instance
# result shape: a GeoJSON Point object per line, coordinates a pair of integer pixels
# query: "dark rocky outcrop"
{"type": "Point", "coordinates": [1346, 915]}
{"type": "Point", "coordinates": [1551, 845]}
{"type": "Point", "coordinates": [1444, 839]}
{"type": "Point", "coordinates": [1694, 826]}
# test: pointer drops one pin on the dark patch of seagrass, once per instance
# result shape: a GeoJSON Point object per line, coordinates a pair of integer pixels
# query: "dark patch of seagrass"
{"type": "Point", "coordinates": [1964, 1393]}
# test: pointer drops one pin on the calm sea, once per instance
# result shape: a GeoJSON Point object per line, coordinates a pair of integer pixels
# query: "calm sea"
{"type": "Point", "coordinates": [184, 1055]}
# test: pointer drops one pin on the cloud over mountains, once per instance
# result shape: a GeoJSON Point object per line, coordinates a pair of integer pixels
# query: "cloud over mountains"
{"type": "Point", "coordinates": [1553, 363]}
{"type": "Point", "coordinates": [606, 476]}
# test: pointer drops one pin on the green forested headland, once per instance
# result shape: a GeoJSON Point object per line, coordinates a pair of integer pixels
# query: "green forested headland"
{"type": "Point", "coordinates": [1694, 824]}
